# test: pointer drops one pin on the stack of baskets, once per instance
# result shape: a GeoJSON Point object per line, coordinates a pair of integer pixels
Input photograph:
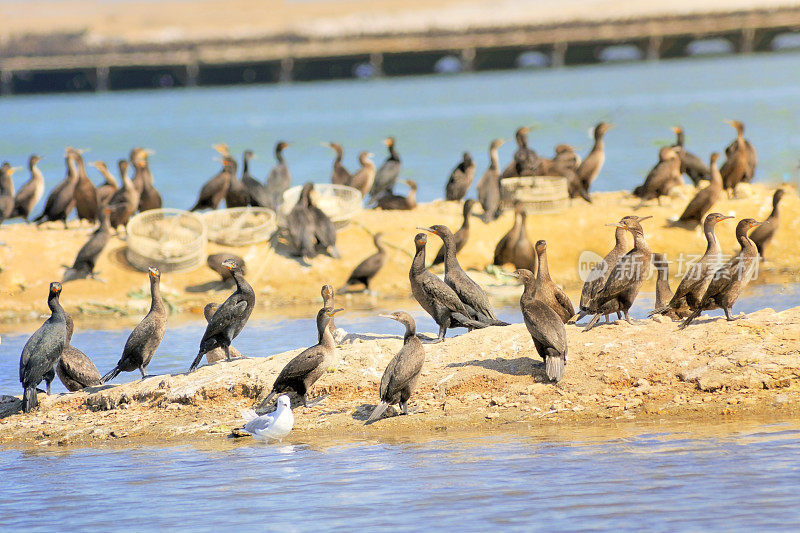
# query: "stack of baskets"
{"type": "Point", "coordinates": [537, 194]}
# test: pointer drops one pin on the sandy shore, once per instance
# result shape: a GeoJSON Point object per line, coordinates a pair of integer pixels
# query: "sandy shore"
{"type": "Point", "coordinates": [122, 300]}
{"type": "Point", "coordinates": [487, 380]}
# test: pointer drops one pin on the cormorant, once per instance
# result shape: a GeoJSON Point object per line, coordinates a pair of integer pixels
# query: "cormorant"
{"type": "Point", "coordinates": [387, 174]}
{"type": "Point", "coordinates": [525, 162]}
{"type": "Point", "coordinates": [149, 195]}
{"type": "Point", "coordinates": [125, 201]}
{"type": "Point", "coordinates": [515, 246]}
{"type": "Point", "coordinates": [237, 194]}
{"type": "Point", "coordinates": [489, 185]}
{"type": "Point", "coordinates": [390, 200]}
{"type": "Point", "coordinates": [30, 192]}
{"type": "Point", "coordinates": [691, 165]}
{"type": "Point", "coordinates": [460, 236]}
{"type": "Point", "coordinates": [310, 229]}
{"type": "Point", "coordinates": [741, 161]}
{"type": "Point", "coordinates": [663, 291]}
{"type": "Point", "coordinates": [566, 163]}
{"type": "Point", "coordinates": [216, 261]}
{"type": "Point", "coordinates": [546, 289]}
{"type": "Point", "coordinates": [705, 199]}
{"type": "Point", "coordinates": [460, 179]}
{"type": "Point", "coordinates": [43, 348]}
{"type": "Point", "coordinates": [257, 193]}
{"type": "Point", "coordinates": [215, 189]}
{"type": "Point", "coordinates": [279, 178]}
{"type": "Point", "coordinates": [230, 318]}
{"type": "Point", "coordinates": [592, 164]}
{"type": "Point", "coordinates": [59, 203]}
{"type": "Point", "coordinates": [146, 336]}
{"type": "Point", "coordinates": [340, 175]}
{"type": "Point", "coordinates": [85, 195]}
{"type": "Point", "coordinates": [369, 267]}
{"type": "Point", "coordinates": [545, 327]}
{"type": "Point", "coordinates": [763, 234]}
{"type": "Point", "coordinates": [6, 190]}
{"type": "Point", "coordinates": [400, 377]}
{"type": "Point", "coordinates": [217, 354]}
{"type": "Point", "coordinates": [732, 277]}
{"type": "Point", "coordinates": [662, 178]}
{"type": "Point", "coordinates": [74, 368]}
{"type": "Point", "coordinates": [109, 187]}
{"type": "Point", "coordinates": [365, 176]}
{"type": "Point", "coordinates": [300, 374]}
{"type": "Point", "coordinates": [85, 261]}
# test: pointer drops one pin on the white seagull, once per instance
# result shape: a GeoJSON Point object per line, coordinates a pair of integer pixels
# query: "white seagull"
{"type": "Point", "coordinates": [274, 425]}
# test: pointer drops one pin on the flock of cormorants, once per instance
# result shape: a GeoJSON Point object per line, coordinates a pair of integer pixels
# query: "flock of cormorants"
{"type": "Point", "coordinates": [456, 301]}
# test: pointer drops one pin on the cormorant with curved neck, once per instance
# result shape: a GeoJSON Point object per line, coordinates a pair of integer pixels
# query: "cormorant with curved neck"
{"type": "Point", "coordinates": [6, 190]}
{"type": "Point", "coordinates": [592, 164]}
{"type": "Point", "coordinates": [237, 194]}
{"type": "Point", "coordinates": [230, 318]}
{"type": "Point", "coordinates": [626, 278]}
{"type": "Point", "coordinates": [215, 189]}
{"type": "Point", "coordinates": [461, 236]}
{"type": "Point", "coordinates": [436, 297]}
{"type": "Point", "coordinates": [665, 175]}
{"type": "Point", "coordinates": [460, 179]}
{"type": "Point", "coordinates": [74, 368]}
{"type": "Point", "coordinates": [731, 278]}
{"type": "Point", "coordinates": [43, 349]}
{"type": "Point", "coordinates": [85, 261]}
{"type": "Point", "coordinates": [146, 336]}
{"type": "Point", "coordinates": [473, 296]}
{"type": "Point", "coordinates": [368, 268]}
{"type": "Point", "coordinates": [30, 192]}
{"type": "Point", "coordinates": [365, 176]}
{"type": "Point", "coordinates": [740, 162]}
{"type": "Point", "coordinates": [300, 374]}
{"type": "Point", "coordinates": [698, 277]}
{"type": "Point", "coordinates": [545, 327]}
{"type": "Point", "coordinates": [489, 185]}
{"type": "Point", "coordinates": [257, 193]}
{"type": "Point", "coordinates": [691, 165]}
{"type": "Point", "coordinates": [663, 291]}
{"type": "Point", "coordinates": [60, 201]}
{"type": "Point", "coordinates": [149, 197]}
{"type": "Point", "coordinates": [387, 174]}
{"type": "Point", "coordinates": [705, 199]}
{"type": "Point", "coordinates": [762, 236]}
{"type": "Point", "coordinates": [525, 162]}
{"type": "Point", "coordinates": [85, 195]}
{"type": "Point", "coordinates": [400, 377]}
{"type": "Point", "coordinates": [125, 201]}
{"type": "Point", "coordinates": [279, 178]}
{"type": "Point", "coordinates": [402, 203]}
{"type": "Point", "coordinates": [515, 246]}
{"type": "Point", "coordinates": [340, 175]}
{"type": "Point", "coordinates": [547, 291]}
{"type": "Point", "coordinates": [108, 188]}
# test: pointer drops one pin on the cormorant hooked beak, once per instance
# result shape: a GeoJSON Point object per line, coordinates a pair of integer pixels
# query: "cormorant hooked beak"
{"type": "Point", "coordinates": [429, 230]}
{"type": "Point", "coordinates": [754, 224]}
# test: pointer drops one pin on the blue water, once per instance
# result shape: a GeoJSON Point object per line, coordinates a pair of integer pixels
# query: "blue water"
{"type": "Point", "coordinates": [434, 119]}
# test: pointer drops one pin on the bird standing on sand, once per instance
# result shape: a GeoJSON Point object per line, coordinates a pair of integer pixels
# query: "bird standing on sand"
{"type": "Point", "coordinates": [525, 162]}
{"type": "Point", "coordinates": [300, 374]}
{"type": "Point", "coordinates": [390, 200]}
{"type": "Point", "coordinates": [545, 327]}
{"type": "Point", "coordinates": [592, 164]}
{"type": "Point", "coordinates": [489, 185]}
{"type": "Point", "coordinates": [60, 201]}
{"type": "Point", "coordinates": [339, 175]}
{"type": "Point", "coordinates": [665, 175]}
{"type": "Point", "coordinates": [271, 426]}
{"type": "Point", "coordinates": [43, 349]}
{"type": "Point", "coordinates": [461, 236]}
{"type": "Point", "coordinates": [217, 354]}
{"type": "Point", "coordinates": [311, 231]}
{"type": "Point", "coordinates": [460, 179]}
{"type": "Point", "coordinates": [698, 277]}
{"type": "Point", "coordinates": [279, 178]}
{"type": "Point", "coordinates": [732, 277]}
{"type": "Point", "coordinates": [146, 336]}
{"type": "Point", "coordinates": [85, 195]}
{"type": "Point", "coordinates": [369, 267]}
{"type": "Point", "coordinates": [107, 189]}
{"type": "Point", "coordinates": [125, 201]}
{"type": "Point", "coordinates": [237, 194]}
{"type": "Point", "coordinates": [515, 246]}
{"type": "Point", "coordinates": [436, 297]}
{"type": "Point", "coordinates": [365, 176]}
{"type": "Point", "coordinates": [400, 377]}
{"type": "Point", "coordinates": [229, 320]}
{"type": "Point", "coordinates": [86, 260]}
{"type": "Point", "coordinates": [705, 199]}
{"type": "Point", "coordinates": [149, 197]}
{"type": "Point", "coordinates": [74, 368]}
{"type": "Point", "coordinates": [547, 291]}
{"type": "Point", "coordinates": [215, 189]}
{"type": "Point", "coordinates": [30, 192]}
{"type": "Point", "coordinates": [387, 174]}
{"type": "Point", "coordinates": [663, 291]}
{"type": "Point", "coordinates": [6, 190]}
{"type": "Point", "coordinates": [691, 165]}
{"type": "Point", "coordinates": [258, 196]}
{"type": "Point", "coordinates": [762, 236]}
{"type": "Point", "coordinates": [741, 160]}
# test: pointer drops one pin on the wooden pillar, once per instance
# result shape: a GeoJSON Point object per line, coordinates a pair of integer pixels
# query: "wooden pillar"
{"type": "Point", "coordinates": [101, 79]}
{"type": "Point", "coordinates": [559, 55]}
{"type": "Point", "coordinates": [468, 59]}
{"type": "Point", "coordinates": [748, 39]}
{"type": "Point", "coordinates": [287, 70]}
{"type": "Point", "coordinates": [6, 82]}
{"type": "Point", "coordinates": [192, 74]}
{"type": "Point", "coordinates": [376, 60]}
{"type": "Point", "coordinates": [654, 47]}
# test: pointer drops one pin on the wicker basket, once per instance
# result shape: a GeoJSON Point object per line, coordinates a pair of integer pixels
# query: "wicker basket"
{"type": "Point", "coordinates": [339, 202]}
{"type": "Point", "coordinates": [537, 194]}
{"type": "Point", "coordinates": [171, 239]}
{"type": "Point", "coordinates": [240, 226]}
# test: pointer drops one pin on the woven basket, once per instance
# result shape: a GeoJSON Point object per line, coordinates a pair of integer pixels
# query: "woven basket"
{"type": "Point", "coordinates": [537, 194]}
{"type": "Point", "coordinates": [171, 239]}
{"type": "Point", "coordinates": [240, 226]}
{"type": "Point", "coordinates": [339, 202]}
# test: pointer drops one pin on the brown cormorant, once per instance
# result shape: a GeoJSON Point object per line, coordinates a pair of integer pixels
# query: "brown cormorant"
{"type": "Point", "coordinates": [489, 185]}
{"type": "Point", "coordinates": [460, 236]}
{"type": "Point", "coordinates": [215, 189]}
{"type": "Point", "coordinates": [705, 199]}
{"type": "Point", "coordinates": [545, 327]}
{"type": "Point", "coordinates": [368, 268]}
{"type": "Point", "coordinates": [763, 234]}
{"type": "Point", "coordinates": [741, 161]}
{"type": "Point", "coordinates": [216, 261]}
{"type": "Point", "coordinates": [525, 162]}
{"type": "Point", "coordinates": [230, 318]}
{"type": "Point", "coordinates": [30, 192]}
{"type": "Point", "coordinates": [387, 174]}
{"type": "Point", "coordinates": [663, 291]}
{"type": "Point", "coordinates": [460, 179]}
{"type": "Point", "coordinates": [85, 195]}
{"type": "Point", "coordinates": [665, 175]}
{"type": "Point", "coordinates": [365, 176]}
{"type": "Point", "coordinates": [340, 175]}
{"type": "Point", "coordinates": [400, 377]}
{"type": "Point", "coordinates": [404, 203]}
{"type": "Point", "coordinates": [149, 195]}
{"type": "Point", "coordinates": [592, 164]}
{"type": "Point", "coordinates": [279, 178]}
{"type": "Point", "coordinates": [146, 336]}
{"type": "Point", "coordinates": [547, 291]}
{"type": "Point", "coordinates": [311, 231]}
{"type": "Point", "coordinates": [217, 354]}
{"type": "Point", "coordinates": [732, 277]}
{"type": "Point", "coordinates": [691, 165]}
{"type": "Point", "coordinates": [6, 190]}
{"type": "Point", "coordinates": [300, 374]}
{"type": "Point", "coordinates": [43, 349]}
{"type": "Point", "coordinates": [85, 261]}
{"type": "Point", "coordinates": [125, 201]}
{"type": "Point", "coordinates": [109, 187]}
{"type": "Point", "coordinates": [566, 163]}
{"type": "Point", "coordinates": [74, 368]}
{"type": "Point", "coordinates": [436, 297]}
{"type": "Point", "coordinates": [257, 193]}
{"type": "Point", "coordinates": [60, 201]}
{"type": "Point", "coordinates": [237, 194]}
{"type": "Point", "coordinates": [515, 247]}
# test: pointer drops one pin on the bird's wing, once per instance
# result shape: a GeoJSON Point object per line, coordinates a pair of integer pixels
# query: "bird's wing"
{"type": "Point", "coordinates": [442, 293]}
{"type": "Point", "coordinates": [303, 363]}
{"type": "Point", "coordinates": [324, 229]}
{"type": "Point", "coordinates": [259, 423]}
{"type": "Point", "coordinates": [547, 327]}
{"type": "Point", "coordinates": [249, 415]}
{"type": "Point", "coordinates": [230, 310]}
{"type": "Point", "coordinates": [368, 267]}
{"type": "Point", "coordinates": [406, 364]}
{"type": "Point", "coordinates": [564, 301]}
{"type": "Point", "coordinates": [79, 366]}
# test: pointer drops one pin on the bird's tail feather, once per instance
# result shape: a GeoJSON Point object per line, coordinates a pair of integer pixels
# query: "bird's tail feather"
{"type": "Point", "coordinates": [29, 399]}
{"type": "Point", "coordinates": [111, 375]}
{"type": "Point", "coordinates": [377, 412]}
{"type": "Point", "coordinates": [249, 414]}
{"type": "Point", "coordinates": [554, 367]}
{"type": "Point", "coordinates": [660, 311]}
{"type": "Point", "coordinates": [468, 322]}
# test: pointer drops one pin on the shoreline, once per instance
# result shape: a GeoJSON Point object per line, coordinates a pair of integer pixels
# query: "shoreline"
{"type": "Point", "coordinates": [578, 228]}
{"type": "Point", "coordinates": [489, 380]}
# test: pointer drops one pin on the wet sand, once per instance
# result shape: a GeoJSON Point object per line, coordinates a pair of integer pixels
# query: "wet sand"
{"type": "Point", "coordinates": [33, 257]}
{"type": "Point", "coordinates": [487, 380]}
